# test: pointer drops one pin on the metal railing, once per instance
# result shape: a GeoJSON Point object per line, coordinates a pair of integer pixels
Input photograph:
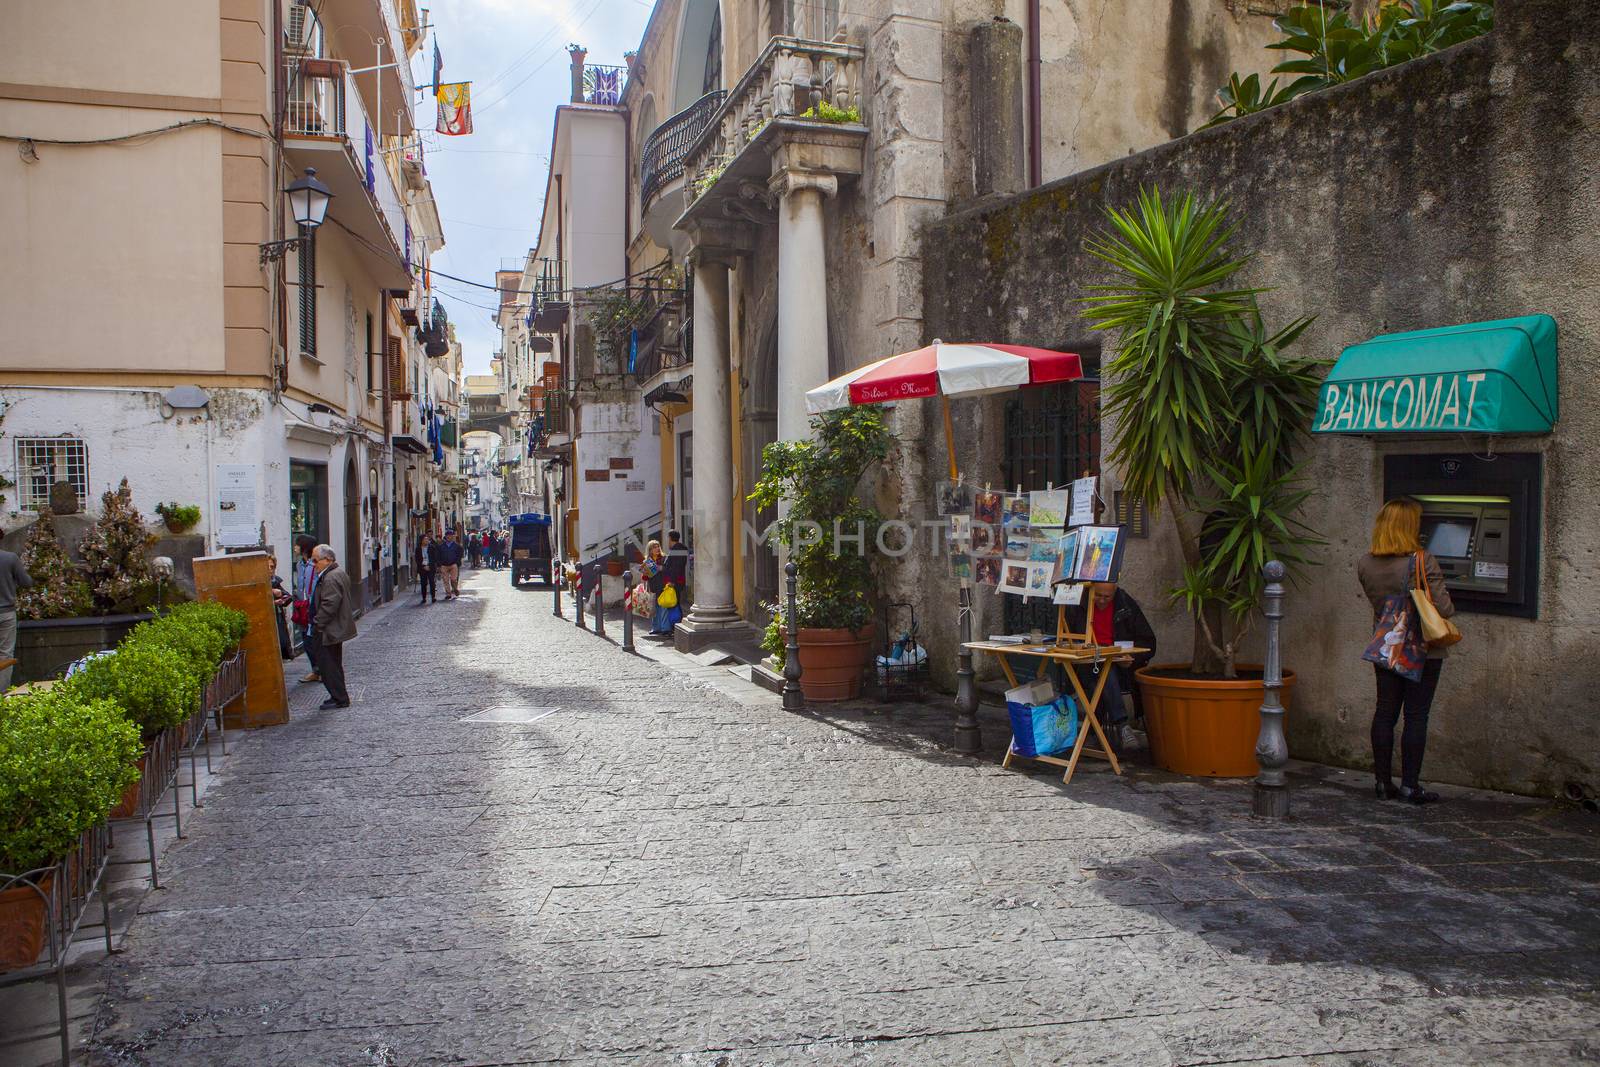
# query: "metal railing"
{"type": "Point", "coordinates": [662, 335]}
{"type": "Point", "coordinates": [790, 77]}
{"type": "Point", "coordinates": [661, 158]}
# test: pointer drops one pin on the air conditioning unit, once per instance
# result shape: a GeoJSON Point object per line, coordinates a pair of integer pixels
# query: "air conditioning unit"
{"type": "Point", "coordinates": [300, 30]}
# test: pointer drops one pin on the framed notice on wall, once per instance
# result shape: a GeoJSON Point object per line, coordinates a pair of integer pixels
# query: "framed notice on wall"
{"type": "Point", "coordinates": [237, 524]}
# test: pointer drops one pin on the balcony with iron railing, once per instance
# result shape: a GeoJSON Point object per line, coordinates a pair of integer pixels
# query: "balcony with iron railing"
{"type": "Point", "coordinates": [326, 127]}
{"type": "Point", "coordinates": [800, 103]}
{"type": "Point", "coordinates": [551, 300]}
{"type": "Point", "coordinates": [662, 336]}
{"type": "Point", "coordinates": [661, 164]}
{"type": "Point", "coordinates": [604, 85]}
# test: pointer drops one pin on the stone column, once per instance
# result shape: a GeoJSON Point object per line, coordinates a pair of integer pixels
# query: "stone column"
{"type": "Point", "coordinates": [802, 295]}
{"type": "Point", "coordinates": [714, 526]}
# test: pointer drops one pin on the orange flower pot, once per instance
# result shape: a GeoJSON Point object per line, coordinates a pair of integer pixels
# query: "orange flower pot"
{"type": "Point", "coordinates": [128, 806]}
{"type": "Point", "coordinates": [832, 661]}
{"type": "Point", "coordinates": [1205, 727]}
{"type": "Point", "coordinates": [22, 917]}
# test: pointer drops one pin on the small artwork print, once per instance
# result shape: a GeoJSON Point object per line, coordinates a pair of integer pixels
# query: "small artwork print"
{"type": "Point", "coordinates": [986, 507]}
{"type": "Point", "coordinates": [982, 538]}
{"type": "Point", "coordinates": [1018, 544]}
{"type": "Point", "coordinates": [960, 529]}
{"type": "Point", "coordinates": [1039, 579]}
{"type": "Point", "coordinates": [1067, 554]}
{"type": "Point", "coordinates": [1098, 560]}
{"type": "Point", "coordinates": [953, 497]}
{"type": "Point", "coordinates": [1043, 550]}
{"type": "Point", "coordinates": [986, 569]}
{"type": "Point", "coordinates": [1018, 512]}
{"type": "Point", "coordinates": [1014, 577]}
{"type": "Point", "coordinates": [1049, 507]}
{"type": "Point", "coordinates": [960, 565]}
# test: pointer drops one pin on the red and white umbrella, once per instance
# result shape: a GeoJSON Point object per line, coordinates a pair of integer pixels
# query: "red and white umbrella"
{"type": "Point", "coordinates": [945, 370]}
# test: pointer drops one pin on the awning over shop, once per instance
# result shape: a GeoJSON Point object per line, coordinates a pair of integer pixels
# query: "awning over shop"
{"type": "Point", "coordinates": [1480, 377]}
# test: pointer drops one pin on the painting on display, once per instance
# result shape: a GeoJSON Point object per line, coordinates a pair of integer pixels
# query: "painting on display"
{"type": "Point", "coordinates": [1019, 545]}
{"type": "Point", "coordinates": [1099, 554]}
{"type": "Point", "coordinates": [1043, 550]}
{"type": "Point", "coordinates": [1018, 512]}
{"type": "Point", "coordinates": [1039, 578]}
{"type": "Point", "coordinates": [982, 537]}
{"type": "Point", "coordinates": [960, 530]}
{"type": "Point", "coordinates": [960, 565]}
{"type": "Point", "coordinates": [1014, 577]}
{"type": "Point", "coordinates": [986, 569]}
{"type": "Point", "coordinates": [986, 507]}
{"type": "Point", "coordinates": [953, 497]}
{"type": "Point", "coordinates": [1048, 507]}
{"type": "Point", "coordinates": [1067, 554]}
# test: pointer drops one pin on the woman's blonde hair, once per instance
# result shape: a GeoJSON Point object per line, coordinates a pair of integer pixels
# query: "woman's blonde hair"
{"type": "Point", "coordinates": [1398, 529]}
{"type": "Point", "coordinates": [653, 546]}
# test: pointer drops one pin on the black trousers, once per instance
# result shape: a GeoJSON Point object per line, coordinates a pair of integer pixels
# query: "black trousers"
{"type": "Point", "coordinates": [330, 664]}
{"type": "Point", "coordinates": [425, 581]}
{"type": "Point", "coordinates": [1396, 694]}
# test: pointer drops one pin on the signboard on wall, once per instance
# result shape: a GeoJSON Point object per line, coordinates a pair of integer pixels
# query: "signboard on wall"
{"type": "Point", "coordinates": [237, 524]}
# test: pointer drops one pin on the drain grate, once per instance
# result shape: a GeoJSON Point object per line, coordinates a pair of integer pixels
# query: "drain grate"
{"type": "Point", "coordinates": [513, 714]}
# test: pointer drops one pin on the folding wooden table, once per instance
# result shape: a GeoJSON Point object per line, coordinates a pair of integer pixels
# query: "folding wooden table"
{"type": "Point", "coordinates": [1071, 656]}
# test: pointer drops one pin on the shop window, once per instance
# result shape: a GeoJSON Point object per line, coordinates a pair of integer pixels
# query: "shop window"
{"type": "Point", "coordinates": [308, 501]}
{"type": "Point", "coordinates": [44, 461]}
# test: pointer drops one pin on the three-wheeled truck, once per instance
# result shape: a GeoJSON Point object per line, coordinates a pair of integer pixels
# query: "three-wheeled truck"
{"type": "Point", "coordinates": [531, 550]}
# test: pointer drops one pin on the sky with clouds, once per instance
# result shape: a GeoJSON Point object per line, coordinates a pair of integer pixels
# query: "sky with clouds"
{"type": "Point", "coordinates": [489, 186]}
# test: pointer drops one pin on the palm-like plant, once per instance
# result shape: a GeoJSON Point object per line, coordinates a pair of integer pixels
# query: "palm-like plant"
{"type": "Point", "coordinates": [1208, 408]}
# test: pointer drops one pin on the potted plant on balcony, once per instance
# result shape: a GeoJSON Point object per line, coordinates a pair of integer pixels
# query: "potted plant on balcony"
{"type": "Point", "coordinates": [63, 762]}
{"type": "Point", "coordinates": [180, 518]}
{"type": "Point", "coordinates": [1209, 412]}
{"type": "Point", "coordinates": [819, 481]}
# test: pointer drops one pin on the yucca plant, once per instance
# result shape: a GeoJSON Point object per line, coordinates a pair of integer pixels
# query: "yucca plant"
{"type": "Point", "coordinates": [1208, 408]}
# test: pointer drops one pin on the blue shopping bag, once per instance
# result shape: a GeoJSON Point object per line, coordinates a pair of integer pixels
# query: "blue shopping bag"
{"type": "Point", "coordinates": [1043, 729]}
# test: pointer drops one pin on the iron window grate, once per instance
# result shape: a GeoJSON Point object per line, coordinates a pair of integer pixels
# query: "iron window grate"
{"type": "Point", "coordinates": [44, 461]}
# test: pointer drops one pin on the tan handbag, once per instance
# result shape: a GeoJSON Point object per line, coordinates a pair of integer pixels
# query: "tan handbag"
{"type": "Point", "coordinates": [1437, 631]}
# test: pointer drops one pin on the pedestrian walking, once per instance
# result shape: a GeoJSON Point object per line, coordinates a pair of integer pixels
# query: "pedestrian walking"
{"type": "Point", "coordinates": [13, 576]}
{"type": "Point", "coordinates": [677, 563]}
{"type": "Point", "coordinates": [300, 611]}
{"type": "Point", "coordinates": [450, 565]}
{"type": "Point", "coordinates": [475, 551]}
{"type": "Point", "coordinates": [426, 570]}
{"type": "Point", "coordinates": [332, 623]}
{"type": "Point", "coordinates": [1409, 673]}
{"type": "Point", "coordinates": [658, 579]}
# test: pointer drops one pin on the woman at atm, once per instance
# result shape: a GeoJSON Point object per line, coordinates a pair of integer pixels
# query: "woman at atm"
{"type": "Point", "coordinates": [1389, 571]}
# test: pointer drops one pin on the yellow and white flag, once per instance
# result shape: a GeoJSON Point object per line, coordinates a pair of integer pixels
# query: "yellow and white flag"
{"type": "Point", "coordinates": [455, 109]}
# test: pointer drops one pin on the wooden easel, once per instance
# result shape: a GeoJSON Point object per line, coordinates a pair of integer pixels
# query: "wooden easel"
{"type": "Point", "coordinates": [1069, 638]}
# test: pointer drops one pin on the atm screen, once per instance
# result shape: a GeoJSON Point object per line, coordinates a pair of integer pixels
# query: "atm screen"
{"type": "Point", "coordinates": [1448, 538]}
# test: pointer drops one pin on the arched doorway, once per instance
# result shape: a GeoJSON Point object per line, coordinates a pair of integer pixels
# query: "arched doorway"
{"type": "Point", "coordinates": [351, 560]}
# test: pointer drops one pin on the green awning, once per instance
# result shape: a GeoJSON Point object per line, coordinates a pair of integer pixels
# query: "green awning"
{"type": "Point", "coordinates": [1480, 377]}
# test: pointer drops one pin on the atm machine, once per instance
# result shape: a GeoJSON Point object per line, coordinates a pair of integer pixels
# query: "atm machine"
{"type": "Point", "coordinates": [1481, 520]}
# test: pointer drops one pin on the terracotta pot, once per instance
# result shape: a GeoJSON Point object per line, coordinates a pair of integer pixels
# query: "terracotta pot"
{"type": "Point", "coordinates": [128, 806]}
{"type": "Point", "coordinates": [615, 566]}
{"type": "Point", "coordinates": [831, 662]}
{"type": "Point", "coordinates": [1205, 727]}
{"type": "Point", "coordinates": [22, 919]}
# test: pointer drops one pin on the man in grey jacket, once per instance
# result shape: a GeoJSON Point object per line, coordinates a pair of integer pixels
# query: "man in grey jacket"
{"type": "Point", "coordinates": [13, 576]}
{"type": "Point", "coordinates": [332, 623]}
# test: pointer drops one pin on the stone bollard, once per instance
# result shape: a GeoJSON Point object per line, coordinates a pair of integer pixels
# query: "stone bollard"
{"type": "Point", "coordinates": [559, 577]}
{"type": "Point", "coordinates": [793, 698]}
{"type": "Point", "coordinates": [627, 610]}
{"type": "Point", "coordinates": [968, 740]}
{"type": "Point", "coordinates": [1270, 798]}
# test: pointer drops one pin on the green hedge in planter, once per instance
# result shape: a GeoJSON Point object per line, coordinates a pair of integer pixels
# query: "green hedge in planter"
{"type": "Point", "coordinates": [64, 763]}
{"type": "Point", "coordinates": [155, 686]}
{"type": "Point", "coordinates": [231, 624]}
{"type": "Point", "coordinates": [202, 633]}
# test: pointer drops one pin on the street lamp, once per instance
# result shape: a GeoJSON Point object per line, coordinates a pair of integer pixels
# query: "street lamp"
{"type": "Point", "coordinates": [308, 203]}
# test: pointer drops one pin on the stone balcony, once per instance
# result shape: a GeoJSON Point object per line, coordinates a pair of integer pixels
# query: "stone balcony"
{"type": "Point", "coordinates": [797, 110]}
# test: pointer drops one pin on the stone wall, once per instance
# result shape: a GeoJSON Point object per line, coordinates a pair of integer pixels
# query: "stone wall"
{"type": "Point", "coordinates": [1457, 188]}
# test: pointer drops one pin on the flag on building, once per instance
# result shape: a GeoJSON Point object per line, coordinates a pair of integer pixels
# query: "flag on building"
{"type": "Point", "coordinates": [438, 69]}
{"type": "Point", "coordinates": [455, 109]}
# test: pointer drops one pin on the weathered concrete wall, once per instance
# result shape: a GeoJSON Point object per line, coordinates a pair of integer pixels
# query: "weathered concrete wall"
{"type": "Point", "coordinates": [1457, 188]}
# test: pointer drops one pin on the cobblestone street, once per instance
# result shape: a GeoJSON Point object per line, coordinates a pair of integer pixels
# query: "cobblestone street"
{"type": "Point", "coordinates": [670, 869]}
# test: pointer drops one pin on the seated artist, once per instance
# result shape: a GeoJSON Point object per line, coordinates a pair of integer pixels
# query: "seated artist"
{"type": "Point", "coordinates": [1118, 618]}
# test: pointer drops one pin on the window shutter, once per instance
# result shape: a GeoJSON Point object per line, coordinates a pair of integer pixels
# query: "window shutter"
{"type": "Point", "coordinates": [397, 366]}
{"type": "Point", "coordinates": [308, 294]}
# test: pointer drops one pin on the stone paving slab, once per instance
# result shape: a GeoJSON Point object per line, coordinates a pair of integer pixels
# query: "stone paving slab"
{"type": "Point", "coordinates": [672, 870]}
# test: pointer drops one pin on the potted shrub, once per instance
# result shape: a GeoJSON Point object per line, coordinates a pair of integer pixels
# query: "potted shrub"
{"type": "Point", "coordinates": [180, 518]}
{"type": "Point", "coordinates": [63, 762]}
{"type": "Point", "coordinates": [818, 481]}
{"type": "Point", "coordinates": [155, 686]}
{"type": "Point", "coordinates": [1208, 413]}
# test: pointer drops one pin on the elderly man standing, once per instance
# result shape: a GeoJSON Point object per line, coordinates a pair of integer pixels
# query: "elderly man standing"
{"type": "Point", "coordinates": [332, 623]}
